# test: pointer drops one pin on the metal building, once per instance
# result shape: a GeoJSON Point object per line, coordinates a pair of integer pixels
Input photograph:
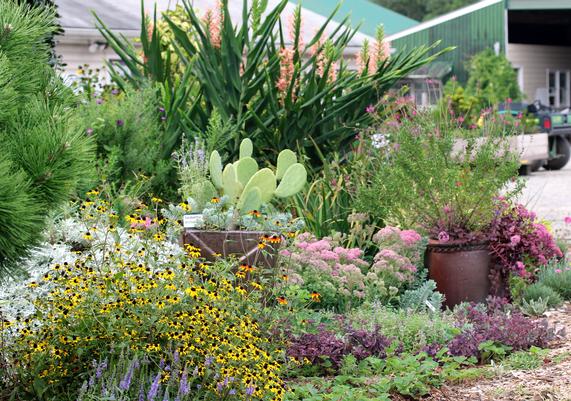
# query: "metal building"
{"type": "Point", "coordinates": [535, 35]}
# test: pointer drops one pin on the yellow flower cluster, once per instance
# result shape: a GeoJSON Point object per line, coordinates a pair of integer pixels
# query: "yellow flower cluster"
{"type": "Point", "coordinates": [122, 296]}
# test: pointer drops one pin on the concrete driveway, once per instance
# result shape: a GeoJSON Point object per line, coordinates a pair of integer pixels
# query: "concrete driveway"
{"type": "Point", "coordinates": [548, 193]}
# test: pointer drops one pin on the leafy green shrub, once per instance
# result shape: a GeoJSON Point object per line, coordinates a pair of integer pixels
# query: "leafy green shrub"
{"type": "Point", "coordinates": [44, 158]}
{"type": "Point", "coordinates": [414, 330]}
{"type": "Point", "coordinates": [492, 79]}
{"type": "Point", "coordinates": [557, 276]}
{"type": "Point", "coordinates": [432, 175]}
{"type": "Point", "coordinates": [128, 133]}
{"type": "Point", "coordinates": [538, 291]}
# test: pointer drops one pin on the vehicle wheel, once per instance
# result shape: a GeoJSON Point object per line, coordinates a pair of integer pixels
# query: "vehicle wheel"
{"type": "Point", "coordinates": [563, 150]}
{"type": "Point", "coordinates": [536, 165]}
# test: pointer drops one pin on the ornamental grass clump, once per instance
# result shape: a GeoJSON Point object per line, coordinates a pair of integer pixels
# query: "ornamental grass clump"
{"type": "Point", "coordinates": [434, 176]}
{"type": "Point", "coordinates": [557, 276]}
{"type": "Point", "coordinates": [131, 292]}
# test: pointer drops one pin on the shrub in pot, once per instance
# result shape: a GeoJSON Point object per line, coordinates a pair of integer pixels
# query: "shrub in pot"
{"type": "Point", "coordinates": [238, 219]}
{"type": "Point", "coordinates": [443, 180]}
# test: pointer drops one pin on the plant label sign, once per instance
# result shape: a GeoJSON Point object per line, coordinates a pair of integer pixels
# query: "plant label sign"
{"type": "Point", "coordinates": [192, 220]}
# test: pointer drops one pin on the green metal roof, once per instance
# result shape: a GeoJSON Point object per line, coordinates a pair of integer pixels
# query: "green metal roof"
{"type": "Point", "coordinates": [539, 5]}
{"type": "Point", "coordinates": [369, 14]}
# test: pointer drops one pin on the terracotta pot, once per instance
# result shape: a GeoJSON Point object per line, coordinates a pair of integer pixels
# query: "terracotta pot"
{"type": "Point", "coordinates": [240, 244]}
{"type": "Point", "coordinates": [461, 271]}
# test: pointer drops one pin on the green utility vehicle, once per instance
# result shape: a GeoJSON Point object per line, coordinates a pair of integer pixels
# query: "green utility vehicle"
{"type": "Point", "coordinates": [556, 124]}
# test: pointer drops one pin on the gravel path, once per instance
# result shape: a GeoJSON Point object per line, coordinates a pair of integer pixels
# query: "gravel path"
{"type": "Point", "coordinates": [548, 193]}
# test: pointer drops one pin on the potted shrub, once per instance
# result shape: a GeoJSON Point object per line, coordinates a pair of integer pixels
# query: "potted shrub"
{"type": "Point", "coordinates": [424, 180]}
{"type": "Point", "coordinates": [236, 217]}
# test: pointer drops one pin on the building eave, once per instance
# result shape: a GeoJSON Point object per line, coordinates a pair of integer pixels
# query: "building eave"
{"type": "Point", "coordinates": [85, 35]}
{"type": "Point", "coordinates": [444, 18]}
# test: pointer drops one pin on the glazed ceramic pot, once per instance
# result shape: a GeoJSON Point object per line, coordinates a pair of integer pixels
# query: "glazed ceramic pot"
{"type": "Point", "coordinates": [461, 271]}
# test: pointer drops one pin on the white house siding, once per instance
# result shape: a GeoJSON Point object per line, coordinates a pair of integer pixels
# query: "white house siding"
{"type": "Point", "coordinates": [78, 45]}
{"type": "Point", "coordinates": [74, 55]}
{"type": "Point", "coordinates": [534, 61]}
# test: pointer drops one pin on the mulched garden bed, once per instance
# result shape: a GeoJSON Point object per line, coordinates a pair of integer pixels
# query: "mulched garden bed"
{"type": "Point", "coordinates": [550, 382]}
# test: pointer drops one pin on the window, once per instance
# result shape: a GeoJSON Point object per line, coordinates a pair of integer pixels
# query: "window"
{"type": "Point", "coordinates": [519, 73]}
{"type": "Point", "coordinates": [558, 87]}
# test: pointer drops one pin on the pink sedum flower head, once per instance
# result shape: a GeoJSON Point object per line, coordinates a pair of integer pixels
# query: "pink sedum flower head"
{"type": "Point", "coordinates": [410, 237]}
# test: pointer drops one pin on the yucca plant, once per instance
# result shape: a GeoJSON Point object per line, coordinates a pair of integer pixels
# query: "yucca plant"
{"type": "Point", "coordinates": [279, 91]}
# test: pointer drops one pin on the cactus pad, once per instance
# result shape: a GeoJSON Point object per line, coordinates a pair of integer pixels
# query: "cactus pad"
{"type": "Point", "coordinates": [265, 180]}
{"type": "Point", "coordinates": [252, 200]}
{"type": "Point", "coordinates": [245, 168]}
{"type": "Point", "coordinates": [215, 167]}
{"type": "Point", "coordinates": [286, 159]}
{"type": "Point", "coordinates": [246, 148]}
{"type": "Point", "coordinates": [230, 185]}
{"type": "Point", "coordinates": [292, 182]}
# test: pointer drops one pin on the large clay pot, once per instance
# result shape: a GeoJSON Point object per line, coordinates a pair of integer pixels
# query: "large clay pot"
{"type": "Point", "coordinates": [461, 271]}
{"type": "Point", "coordinates": [240, 244]}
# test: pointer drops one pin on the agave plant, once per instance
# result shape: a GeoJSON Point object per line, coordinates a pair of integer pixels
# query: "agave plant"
{"type": "Point", "coordinates": [279, 91]}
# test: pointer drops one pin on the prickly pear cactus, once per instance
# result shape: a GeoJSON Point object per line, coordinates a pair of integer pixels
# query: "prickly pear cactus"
{"type": "Point", "coordinates": [286, 159]}
{"type": "Point", "coordinates": [246, 148]}
{"type": "Point", "coordinates": [215, 167]}
{"type": "Point", "coordinates": [248, 188]}
{"type": "Point", "coordinates": [293, 181]}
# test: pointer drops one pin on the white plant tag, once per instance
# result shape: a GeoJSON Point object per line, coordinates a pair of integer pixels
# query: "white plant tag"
{"type": "Point", "coordinates": [192, 220]}
{"type": "Point", "coordinates": [430, 306]}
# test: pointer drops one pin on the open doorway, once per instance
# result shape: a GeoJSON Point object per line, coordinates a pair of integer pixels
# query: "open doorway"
{"type": "Point", "coordinates": [539, 44]}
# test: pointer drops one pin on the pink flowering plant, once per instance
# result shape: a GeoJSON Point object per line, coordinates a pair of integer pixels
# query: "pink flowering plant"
{"type": "Point", "coordinates": [520, 243]}
{"type": "Point", "coordinates": [339, 277]}
{"type": "Point", "coordinates": [435, 176]}
{"type": "Point", "coordinates": [399, 256]}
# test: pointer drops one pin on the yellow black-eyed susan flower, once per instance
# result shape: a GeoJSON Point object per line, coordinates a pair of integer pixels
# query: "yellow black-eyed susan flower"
{"type": "Point", "coordinates": [255, 213]}
{"type": "Point", "coordinates": [275, 239]}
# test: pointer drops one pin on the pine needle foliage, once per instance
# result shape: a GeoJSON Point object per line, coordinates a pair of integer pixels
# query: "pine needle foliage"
{"type": "Point", "coordinates": [42, 159]}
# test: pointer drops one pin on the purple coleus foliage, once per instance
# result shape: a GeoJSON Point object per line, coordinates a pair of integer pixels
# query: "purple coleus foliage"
{"type": "Point", "coordinates": [502, 326]}
{"type": "Point", "coordinates": [326, 345]}
{"type": "Point", "coordinates": [519, 242]}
